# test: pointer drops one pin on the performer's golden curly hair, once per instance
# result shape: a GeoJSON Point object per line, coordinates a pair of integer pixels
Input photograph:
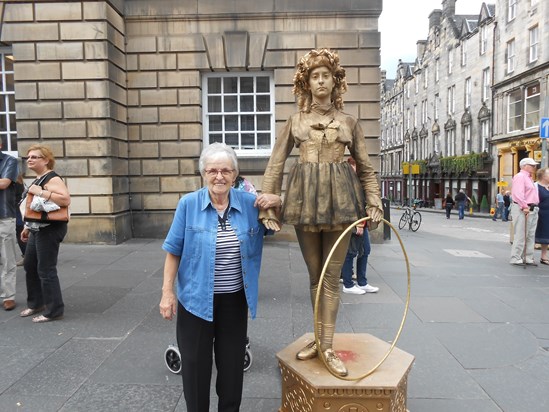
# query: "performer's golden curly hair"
{"type": "Point", "coordinates": [313, 59]}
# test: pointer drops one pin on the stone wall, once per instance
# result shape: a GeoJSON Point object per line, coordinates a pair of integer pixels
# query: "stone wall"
{"type": "Point", "coordinates": [115, 89]}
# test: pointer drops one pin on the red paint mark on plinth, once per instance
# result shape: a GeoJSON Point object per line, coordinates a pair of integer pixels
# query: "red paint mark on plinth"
{"type": "Point", "coordinates": [346, 355]}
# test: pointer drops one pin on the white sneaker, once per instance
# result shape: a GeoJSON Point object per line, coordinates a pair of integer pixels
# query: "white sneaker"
{"type": "Point", "coordinates": [368, 288]}
{"type": "Point", "coordinates": [354, 290]}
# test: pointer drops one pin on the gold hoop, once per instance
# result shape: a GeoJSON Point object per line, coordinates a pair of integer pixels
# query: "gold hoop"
{"type": "Point", "coordinates": [319, 289]}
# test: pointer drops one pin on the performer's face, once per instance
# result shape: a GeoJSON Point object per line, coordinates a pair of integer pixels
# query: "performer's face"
{"type": "Point", "coordinates": [321, 82]}
{"type": "Point", "coordinates": [220, 175]}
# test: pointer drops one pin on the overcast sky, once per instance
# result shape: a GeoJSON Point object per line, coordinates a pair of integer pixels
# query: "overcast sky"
{"type": "Point", "coordinates": [404, 22]}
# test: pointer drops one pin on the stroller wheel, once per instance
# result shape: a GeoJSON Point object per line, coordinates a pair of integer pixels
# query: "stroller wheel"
{"type": "Point", "coordinates": [172, 357]}
{"type": "Point", "coordinates": [248, 358]}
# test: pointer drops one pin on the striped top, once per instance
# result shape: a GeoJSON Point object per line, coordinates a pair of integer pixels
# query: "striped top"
{"type": "Point", "coordinates": [228, 267]}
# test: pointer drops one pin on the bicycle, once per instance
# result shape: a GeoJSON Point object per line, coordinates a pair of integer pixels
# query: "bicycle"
{"type": "Point", "coordinates": [410, 217]}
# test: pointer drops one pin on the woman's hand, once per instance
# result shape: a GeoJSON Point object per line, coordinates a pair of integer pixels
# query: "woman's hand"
{"type": "Point", "coordinates": [267, 201]}
{"type": "Point", "coordinates": [35, 190]}
{"type": "Point", "coordinates": [25, 235]}
{"type": "Point", "coordinates": [168, 304]}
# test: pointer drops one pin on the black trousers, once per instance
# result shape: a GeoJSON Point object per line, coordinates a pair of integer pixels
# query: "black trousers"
{"type": "Point", "coordinates": [226, 336]}
{"type": "Point", "coordinates": [40, 265]}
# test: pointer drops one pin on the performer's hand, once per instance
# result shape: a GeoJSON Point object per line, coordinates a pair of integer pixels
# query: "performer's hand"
{"type": "Point", "coordinates": [267, 201]}
{"type": "Point", "coordinates": [376, 215]}
{"type": "Point", "coordinates": [271, 224]}
{"type": "Point", "coordinates": [359, 230]}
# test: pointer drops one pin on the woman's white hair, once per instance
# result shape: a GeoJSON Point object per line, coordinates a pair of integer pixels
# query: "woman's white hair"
{"type": "Point", "coordinates": [215, 151]}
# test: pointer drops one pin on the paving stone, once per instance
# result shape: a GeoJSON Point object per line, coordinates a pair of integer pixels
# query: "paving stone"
{"type": "Point", "coordinates": [123, 397]}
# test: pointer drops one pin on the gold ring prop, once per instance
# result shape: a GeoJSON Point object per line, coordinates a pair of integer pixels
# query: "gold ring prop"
{"type": "Point", "coordinates": [319, 291]}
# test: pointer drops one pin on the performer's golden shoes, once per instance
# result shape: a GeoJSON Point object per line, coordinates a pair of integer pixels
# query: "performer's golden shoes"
{"type": "Point", "coordinates": [308, 352]}
{"type": "Point", "coordinates": [334, 363]}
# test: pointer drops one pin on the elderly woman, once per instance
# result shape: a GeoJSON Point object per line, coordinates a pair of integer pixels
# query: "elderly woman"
{"type": "Point", "coordinates": [214, 250]}
{"type": "Point", "coordinates": [323, 194]}
{"type": "Point", "coordinates": [43, 240]}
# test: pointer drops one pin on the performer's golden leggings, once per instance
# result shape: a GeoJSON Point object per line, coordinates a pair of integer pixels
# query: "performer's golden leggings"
{"type": "Point", "coordinates": [315, 247]}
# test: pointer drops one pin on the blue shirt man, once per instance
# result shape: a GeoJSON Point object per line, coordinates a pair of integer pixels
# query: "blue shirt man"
{"type": "Point", "coordinates": [8, 176]}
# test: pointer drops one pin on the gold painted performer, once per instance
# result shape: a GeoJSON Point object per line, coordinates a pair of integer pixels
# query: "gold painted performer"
{"type": "Point", "coordinates": [323, 195]}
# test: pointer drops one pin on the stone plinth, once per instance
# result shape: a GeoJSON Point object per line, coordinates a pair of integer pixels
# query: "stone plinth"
{"type": "Point", "coordinates": [308, 387]}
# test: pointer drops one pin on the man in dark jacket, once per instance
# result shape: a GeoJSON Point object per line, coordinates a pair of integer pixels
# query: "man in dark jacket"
{"type": "Point", "coordinates": [8, 176]}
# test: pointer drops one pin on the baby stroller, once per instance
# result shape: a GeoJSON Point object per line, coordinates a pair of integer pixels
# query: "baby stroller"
{"type": "Point", "coordinates": [172, 357]}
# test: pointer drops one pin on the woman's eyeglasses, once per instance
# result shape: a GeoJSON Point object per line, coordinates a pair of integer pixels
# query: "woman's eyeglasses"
{"type": "Point", "coordinates": [215, 172]}
{"type": "Point", "coordinates": [34, 157]}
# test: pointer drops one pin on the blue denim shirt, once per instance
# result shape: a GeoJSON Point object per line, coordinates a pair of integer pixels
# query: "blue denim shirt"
{"type": "Point", "coordinates": [192, 236]}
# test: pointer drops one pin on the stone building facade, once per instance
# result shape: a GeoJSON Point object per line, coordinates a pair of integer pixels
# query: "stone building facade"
{"type": "Point", "coordinates": [455, 104]}
{"type": "Point", "coordinates": [127, 92]}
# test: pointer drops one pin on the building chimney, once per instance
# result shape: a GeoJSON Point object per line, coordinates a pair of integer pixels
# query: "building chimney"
{"type": "Point", "coordinates": [420, 47]}
{"type": "Point", "coordinates": [434, 18]}
{"type": "Point", "coordinates": [448, 9]}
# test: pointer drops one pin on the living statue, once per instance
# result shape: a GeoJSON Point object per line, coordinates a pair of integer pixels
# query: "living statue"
{"type": "Point", "coordinates": [324, 195]}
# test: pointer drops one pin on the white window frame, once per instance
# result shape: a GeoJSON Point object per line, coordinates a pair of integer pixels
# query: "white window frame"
{"type": "Point", "coordinates": [531, 95]}
{"type": "Point", "coordinates": [450, 61]}
{"type": "Point", "coordinates": [424, 112]}
{"type": "Point", "coordinates": [510, 52]}
{"type": "Point", "coordinates": [415, 116]}
{"type": "Point", "coordinates": [467, 138]}
{"type": "Point", "coordinates": [8, 134]}
{"type": "Point", "coordinates": [436, 105]}
{"type": "Point", "coordinates": [515, 107]}
{"type": "Point", "coordinates": [463, 53]}
{"type": "Point", "coordinates": [533, 49]}
{"type": "Point", "coordinates": [239, 95]}
{"type": "Point", "coordinates": [417, 80]}
{"type": "Point", "coordinates": [486, 84]}
{"type": "Point", "coordinates": [483, 38]}
{"type": "Point", "coordinates": [467, 92]}
{"type": "Point", "coordinates": [437, 70]}
{"type": "Point", "coordinates": [451, 142]}
{"type": "Point", "coordinates": [484, 134]}
{"type": "Point", "coordinates": [511, 10]}
{"type": "Point", "coordinates": [436, 143]}
{"type": "Point", "coordinates": [451, 99]}
{"type": "Point", "coordinates": [425, 77]}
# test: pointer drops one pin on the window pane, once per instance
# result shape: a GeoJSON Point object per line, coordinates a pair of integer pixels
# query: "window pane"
{"type": "Point", "coordinates": [12, 122]}
{"type": "Point", "coordinates": [247, 122]}
{"type": "Point", "coordinates": [216, 138]}
{"type": "Point", "coordinates": [214, 85]}
{"type": "Point", "coordinates": [230, 84]}
{"type": "Point", "coordinates": [9, 82]}
{"type": "Point", "coordinates": [246, 85]}
{"type": "Point", "coordinates": [232, 139]}
{"type": "Point", "coordinates": [248, 141]}
{"type": "Point", "coordinates": [214, 104]}
{"type": "Point", "coordinates": [263, 103]}
{"type": "Point", "coordinates": [231, 123]}
{"type": "Point", "coordinates": [3, 108]}
{"type": "Point", "coordinates": [246, 103]}
{"type": "Point", "coordinates": [3, 124]}
{"type": "Point", "coordinates": [263, 122]}
{"type": "Point", "coordinates": [263, 140]}
{"type": "Point", "coordinates": [230, 103]}
{"type": "Point", "coordinates": [215, 123]}
{"type": "Point", "coordinates": [263, 84]}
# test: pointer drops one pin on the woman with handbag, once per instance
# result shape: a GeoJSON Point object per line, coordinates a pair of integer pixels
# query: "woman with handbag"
{"type": "Point", "coordinates": [43, 237]}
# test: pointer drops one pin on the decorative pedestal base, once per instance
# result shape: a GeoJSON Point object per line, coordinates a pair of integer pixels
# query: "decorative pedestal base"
{"type": "Point", "coordinates": [307, 386]}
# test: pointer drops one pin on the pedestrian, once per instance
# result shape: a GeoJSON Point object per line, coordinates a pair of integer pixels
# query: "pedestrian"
{"type": "Point", "coordinates": [323, 193]}
{"type": "Point", "coordinates": [448, 204]}
{"type": "Point", "coordinates": [461, 200]}
{"type": "Point", "coordinates": [8, 176]}
{"type": "Point", "coordinates": [499, 207]}
{"type": "Point", "coordinates": [542, 228]}
{"type": "Point", "coordinates": [506, 205]}
{"type": "Point", "coordinates": [19, 224]}
{"type": "Point", "coordinates": [359, 247]}
{"type": "Point", "coordinates": [213, 249]}
{"type": "Point", "coordinates": [43, 240]}
{"type": "Point", "coordinates": [524, 212]}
